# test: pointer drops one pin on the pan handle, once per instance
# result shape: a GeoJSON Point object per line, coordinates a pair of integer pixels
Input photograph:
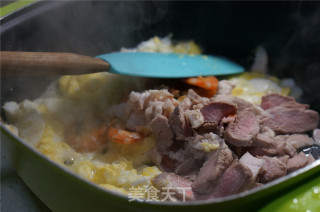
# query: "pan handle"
{"type": "Point", "coordinates": [14, 63]}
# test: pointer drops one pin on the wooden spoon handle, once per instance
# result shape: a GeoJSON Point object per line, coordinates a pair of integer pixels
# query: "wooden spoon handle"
{"type": "Point", "coordinates": [49, 63]}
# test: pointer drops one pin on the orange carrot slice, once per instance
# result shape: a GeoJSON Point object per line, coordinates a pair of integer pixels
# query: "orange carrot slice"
{"type": "Point", "coordinates": [208, 85]}
{"type": "Point", "coordinates": [123, 136]}
{"type": "Point", "coordinates": [210, 82]}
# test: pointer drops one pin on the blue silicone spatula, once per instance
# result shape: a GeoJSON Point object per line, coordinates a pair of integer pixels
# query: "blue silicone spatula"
{"type": "Point", "coordinates": [141, 64]}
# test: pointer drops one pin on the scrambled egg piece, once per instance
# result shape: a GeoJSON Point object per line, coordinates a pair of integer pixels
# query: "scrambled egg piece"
{"type": "Point", "coordinates": [252, 86]}
{"type": "Point", "coordinates": [208, 147]}
{"type": "Point", "coordinates": [166, 45]}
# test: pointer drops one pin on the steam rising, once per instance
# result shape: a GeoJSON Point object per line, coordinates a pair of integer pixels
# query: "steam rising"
{"type": "Point", "coordinates": [300, 58]}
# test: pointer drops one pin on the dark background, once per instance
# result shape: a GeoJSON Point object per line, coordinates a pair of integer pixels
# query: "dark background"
{"type": "Point", "coordinates": [289, 30]}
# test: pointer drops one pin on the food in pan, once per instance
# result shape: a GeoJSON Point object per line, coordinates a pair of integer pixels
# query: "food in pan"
{"type": "Point", "coordinates": [190, 139]}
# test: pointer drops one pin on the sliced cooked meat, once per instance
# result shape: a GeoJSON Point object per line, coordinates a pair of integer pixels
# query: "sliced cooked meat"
{"type": "Point", "coordinates": [196, 99]}
{"type": "Point", "coordinates": [216, 116]}
{"type": "Point", "coordinates": [161, 132]}
{"type": "Point", "coordinates": [263, 141]}
{"type": "Point", "coordinates": [311, 159]}
{"type": "Point", "coordinates": [299, 140]}
{"type": "Point", "coordinates": [152, 102]}
{"type": "Point", "coordinates": [196, 152]}
{"type": "Point", "coordinates": [195, 118]}
{"type": "Point", "coordinates": [167, 163]}
{"type": "Point", "coordinates": [178, 121]}
{"type": "Point", "coordinates": [296, 162]}
{"type": "Point", "coordinates": [259, 151]}
{"type": "Point", "coordinates": [284, 115]}
{"type": "Point", "coordinates": [234, 180]}
{"type": "Point", "coordinates": [285, 120]}
{"type": "Point", "coordinates": [253, 163]}
{"type": "Point", "coordinates": [273, 100]}
{"type": "Point", "coordinates": [316, 135]}
{"type": "Point", "coordinates": [215, 111]}
{"type": "Point", "coordinates": [284, 159]}
{"type": "Point", "coordinates": [137, 119]}
{"type": "Point", "coordinates": [225, 87]}
{"type": "Point", "coordinates": [272, 169]}
{"type": "Point", "coordinates": [189, 168]}
{"type": "Point", "coordinates": [243, 130]}
{"type": "Point", "coordinates": [289, 144]}
{"type": "Point", "coordinates": [241, 104]}
{"type": "Point", "coordinates": [199, 146]}
{"type": "Point", "coordinates": [173, 187]}
{"type": "Point", "coordinates": [282, 147]}
{"type": "Point", "coordinates": [217, 162]}
{"type": "Point", "coordinates": [119, 111]}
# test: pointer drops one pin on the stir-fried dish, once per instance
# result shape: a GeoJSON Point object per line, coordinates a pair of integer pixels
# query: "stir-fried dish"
{"type": "Point", "coordinates": [188, 139]}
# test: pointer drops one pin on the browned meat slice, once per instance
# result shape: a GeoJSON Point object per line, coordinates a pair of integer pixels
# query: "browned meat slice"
{"type": "Point", "coordinates": [316, 136]}
{"type": "Point", "coordinates": [243, 130]}
{"type": "Point", "coordinates": [273, 100]}
{"type": "Point", "coordinates": [272, 169]}
{"type": "Point", "coordinates": [173, 187]}
{"type": "Point", "coordinates": [296, 162]}
{"type": "Point", "coordinates": [217, 162]}
{"type": "Point", "coordinates": [284, 120]}
{"type": "Point", "coordinates": [253, 163]}
{"type": "Point", "coordinates": [178, 121]}
{"type": "Point", "coordinates": [237, 178]}
{"type": "Point", "coordinates": [161, 132]}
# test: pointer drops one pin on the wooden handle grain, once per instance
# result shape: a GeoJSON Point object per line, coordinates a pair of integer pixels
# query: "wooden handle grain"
{"type": "Point", "coordinates": [49, 63]}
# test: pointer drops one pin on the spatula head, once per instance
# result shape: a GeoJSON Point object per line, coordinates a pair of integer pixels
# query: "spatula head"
{"type": "Point", "coordinates": [169, 65]}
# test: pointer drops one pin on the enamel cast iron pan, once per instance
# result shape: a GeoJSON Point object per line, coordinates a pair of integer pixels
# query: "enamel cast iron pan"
{"type": "Point", "coordinates": [289, 31]}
